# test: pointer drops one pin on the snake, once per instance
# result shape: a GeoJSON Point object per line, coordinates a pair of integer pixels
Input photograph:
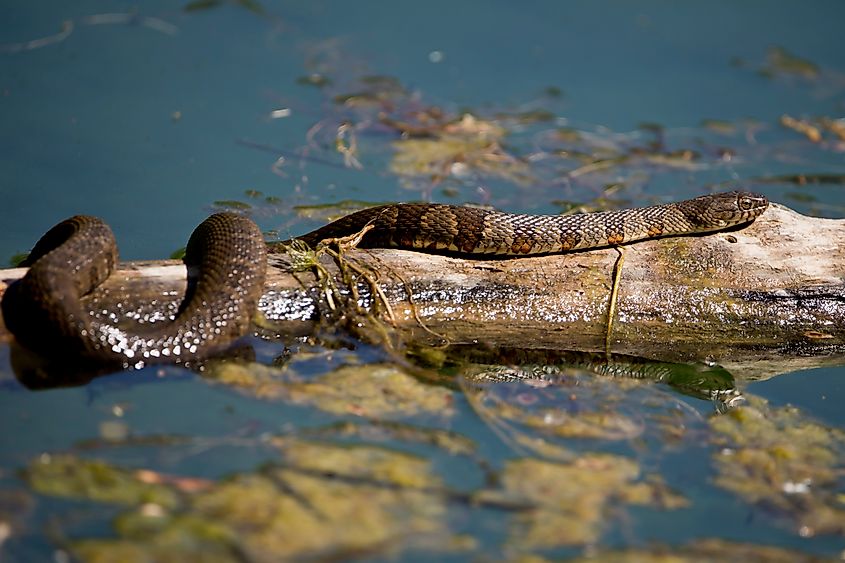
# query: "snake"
{"type": "Point", "coordinates": [226, 263]}
{"type": "Point", "coordinates": [226, 257]}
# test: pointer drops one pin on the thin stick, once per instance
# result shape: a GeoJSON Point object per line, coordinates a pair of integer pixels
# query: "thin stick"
{"type": "Point", "coordinates": [614, 294]}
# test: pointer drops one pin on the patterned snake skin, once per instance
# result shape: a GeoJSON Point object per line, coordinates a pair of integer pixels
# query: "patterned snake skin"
{"type": "Point", "coordinates": [226, 259]}
{"type": "Point", "coordinates": [470, 230]}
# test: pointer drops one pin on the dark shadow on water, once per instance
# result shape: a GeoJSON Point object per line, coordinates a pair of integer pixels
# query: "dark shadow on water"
{"type": "Point", "coordinates": [38, 373]}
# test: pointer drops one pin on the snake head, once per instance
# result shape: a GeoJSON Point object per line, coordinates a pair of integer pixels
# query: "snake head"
{"type": "Point", "coordinates": [718, 211]}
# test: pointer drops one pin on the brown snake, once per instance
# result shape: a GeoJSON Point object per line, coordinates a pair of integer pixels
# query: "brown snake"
{"type": "Point", "coordinates": [472, 230]}
{"type": "Point", "coordinates": [226, 259]}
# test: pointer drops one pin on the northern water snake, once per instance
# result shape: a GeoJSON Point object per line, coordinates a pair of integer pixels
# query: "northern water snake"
{"type": "Point", "coordinates": [226, 263]}
{"type": "Point", "coordinates": [473, 230]}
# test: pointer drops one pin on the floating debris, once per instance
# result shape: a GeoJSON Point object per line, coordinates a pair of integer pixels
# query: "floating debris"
{"type": "Point", "coordinates": [782, 62]}
{"type": "Point", "coordinates": [719, 126]}
{"type": "Point", "coordinates": [467, 146]}
{"type": "Point", "coordinates": [802, 126]}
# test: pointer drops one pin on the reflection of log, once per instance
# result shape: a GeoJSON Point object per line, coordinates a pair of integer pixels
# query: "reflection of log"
{"type": "Point", "coordinates": [773, 290]}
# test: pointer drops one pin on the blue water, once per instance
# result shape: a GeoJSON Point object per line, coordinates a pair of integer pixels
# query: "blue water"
{"type": "Point", "coordinates": [139, 122]}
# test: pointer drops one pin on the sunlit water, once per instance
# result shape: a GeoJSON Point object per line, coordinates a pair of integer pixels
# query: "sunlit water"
{"type": "Point", "coordinates": [147, 119]}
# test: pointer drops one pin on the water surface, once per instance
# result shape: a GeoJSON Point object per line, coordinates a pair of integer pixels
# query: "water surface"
{"type": "Point", "coordinates": [153, 118]}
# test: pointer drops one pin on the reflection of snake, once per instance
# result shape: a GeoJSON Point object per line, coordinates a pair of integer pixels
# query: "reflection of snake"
{"type": "Point", "coordinates": [226, 263]}
{"type": "Point", "coordinates": [505, 364]}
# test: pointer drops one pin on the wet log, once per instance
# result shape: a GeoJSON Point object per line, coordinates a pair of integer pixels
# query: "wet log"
{"type": "Point", "coordinates": [760, 300]}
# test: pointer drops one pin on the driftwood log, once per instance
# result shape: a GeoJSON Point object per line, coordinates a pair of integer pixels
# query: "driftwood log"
{"type": "Point", "coordinates": [761, 300]}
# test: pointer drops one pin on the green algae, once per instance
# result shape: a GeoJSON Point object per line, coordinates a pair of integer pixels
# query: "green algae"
{"type": "Point", "coordinates": [469, 145]}
{"type": "Point", "coordinates": [383, 430]}
{"type": "Point", "coordinates": [357, 462]}
{"type": "Point", "coordinates": [783, 462]}
{"type": "Point", "coordinates": [781, 62]}
{"type": "Point", "coordinates": [127, 551]}
{"type": "Point", "coordinates": [324, 501]}
{"type": "Point", "coordinates": [585, 425]}
{"type": "Point", "coordinates": [372, 390]}
{"type": "Point", "coordinates": [318, 499]}
{"type": "Point", "coordinates": [702, 551]}
{"type": "Point", "coordinates": [720, 126]}
{"type": "Point", "coordinates": [16, 259]}
{"type": "Point", "coordinates": [570, 501]}
{"type": "Point", "coordinates": [286, 513]}
{"type": "Point", "coordinates": [72, 477]}
{"type": "Point", "coordinates": [549, 409]}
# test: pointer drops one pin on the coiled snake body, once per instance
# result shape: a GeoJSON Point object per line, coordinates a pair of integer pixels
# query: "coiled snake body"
{"type": "Point", "coordinates": [226, 259]}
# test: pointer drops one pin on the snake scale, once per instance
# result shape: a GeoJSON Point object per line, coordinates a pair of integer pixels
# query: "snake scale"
{"type": "Point", "coordinates": [226, 260]}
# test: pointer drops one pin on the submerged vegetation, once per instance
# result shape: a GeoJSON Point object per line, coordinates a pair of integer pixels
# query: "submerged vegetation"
{"type": "Point", "coordinates": [367, 390]}
{"type": "Point", "coordinates": [371, 486]}
{"type": "Point", "coordinates": [320, 501]}
{"type": "Point", "coordinates": [788, 466]}
{"type": "Point", "coordinates": [391, 450]}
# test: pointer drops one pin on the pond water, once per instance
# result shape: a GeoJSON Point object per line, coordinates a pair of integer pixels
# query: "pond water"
{"type": "Point", "coordinates": [152, 116]}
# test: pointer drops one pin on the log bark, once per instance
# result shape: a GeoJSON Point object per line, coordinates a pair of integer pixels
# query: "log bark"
{"type": "Point", "coordinates": [760, 300]}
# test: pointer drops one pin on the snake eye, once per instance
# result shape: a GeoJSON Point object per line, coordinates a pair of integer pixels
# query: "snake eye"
{"type": "Point", "coordinates": [745, 203]}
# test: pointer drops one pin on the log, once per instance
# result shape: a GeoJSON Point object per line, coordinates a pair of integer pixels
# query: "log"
{"type": "Point", "coordinates": [759, 300]}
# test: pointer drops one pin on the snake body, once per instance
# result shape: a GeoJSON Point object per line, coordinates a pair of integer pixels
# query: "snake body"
{"type": "Point", "coordinates": [472, 231]}
{"type": "Point", "coordinates": [226, 259]}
